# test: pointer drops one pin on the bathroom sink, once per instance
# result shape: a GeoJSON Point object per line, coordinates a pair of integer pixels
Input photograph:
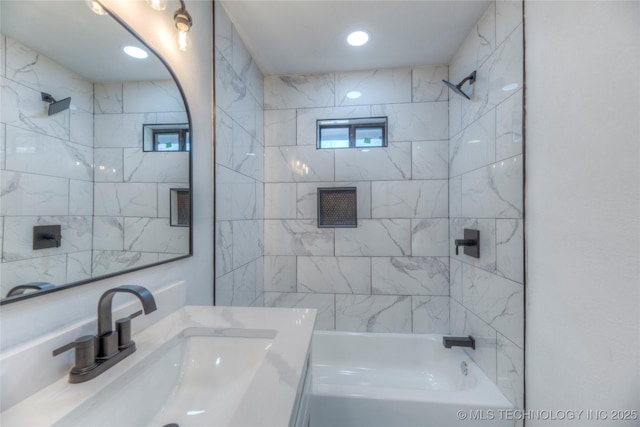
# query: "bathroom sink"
{"type": "Point", "coordinates": [196, 378]}
{"type": "Point", "coordinates": [204, 366]}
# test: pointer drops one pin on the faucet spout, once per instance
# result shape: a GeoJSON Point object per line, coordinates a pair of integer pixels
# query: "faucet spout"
{"type": "Point", "coordinates": [105, 324]}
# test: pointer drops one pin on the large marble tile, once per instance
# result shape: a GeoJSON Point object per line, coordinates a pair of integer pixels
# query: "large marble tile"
{"type": "Point", "coordinates": [423, 121]}
{"type": "Point", "coordinates": [427, 85]}
{"type": "Point", "coordinates": [3, 67]}
{"type": "Point", "coordinates": [280, 273]}
{"type": "Point", "coordinates": [18, 236]}
{"type": "Point", "coordinates": [298, 164]}
{"type": "Point", "coordinates": [125, 199]}
{"type": "Point", "coordinates": [509, 14]}
{"type": "Point", "coordinates": [108, 262]}
{"type": "Point", "coordinates": [430, 237]}
{"type": "Point", "coordinates": [464, 323]}
{"type": "Point", "coordinates": [476, 47]}
{"type": "Point", "coordinates": [141, 166]}
{"type": "Point", "coordinates": [38, 72]}
{"type": "Point", "coordinates": [297, 237]}
{"type": "Point", "coordinates": [455, 114]}
{"type": "Point", "coordinates": [81, 127]}
{"type": "Point", "coordinates": [506, 68]}
{"type": "Point", "coordinates": [487, 228]}
{"type": "Point", "coordinates": [27, 194]}
{"type": "Point", "coordinates": [120, 130]}
{"type": "Point", "coordinates": [388, 86]}
{"type": "Point", "coordinates": [108, 233]}
{"type": "Point", "coordinates": [107, 98]}
{"type": "Point", "coordinates": [224, 247]}
{"type": "Point", "coordinates": [388, 163]}
{"type": "Point", "coordinates": [510, 249]}
{"type": "Point", "coordinates": [248, 154]}
{"type": "Point", "coordinates": [279, 127]}
{"type": "Point", "coordinates": [280, 201]}
{"type": "Point", "coordinates": [307, 197]}
{"type": "Point", "coordinates": [223, 32]}
{"type": "Point", "coordinates": [32, 152]}
{"type": "Point", "coordinates": [247, 241]}
{"type": "Point", "coordinates": [324, 303]}
{"type": "Point", "coordinates": [151, 97]}
{"type": "Point", "coordinates": [233, 97]}
{"type": "Point", "coordinates": [246, 68]}
{"type": "Point", "coordinates": [155, 235]}
{"type": "Point", "coordinates": [495, 191]}
{"type": "Point", "coordinates": [80, 197]}
{"type": "Point", "coordinates": [23, 107]}
{"type": "Point", "coordinates": [374, 237]}
{"type": "Point", "coordinates": [474, 147]}
{"type": "Point", "coordinates": [455, 279]}
{"type": "Point", "coordinates": [299, 91]}
{"type": "Point", "coordinates": [497, 301]}
{"type": "Point", "coordinates": [235, 195]}
{"type": "Point", "coordinates": [509, 127]}
{"type": "Point", "coordinates": [336, 275]}
{"type": "Point", "coordinates": [259, 200]}
{"type": "Point", "coordinates": [52, 269]}
{"type": "Point", "coordinates": [373, 313]}
{"type": "Point", "coordinates": [78, 266]}
{"type": "Point", "coordinates": [511, 371]}
{"type": "Point", "coordinates": [108, 165]}
{"type": "Point", "coordinates": [3, 146]}
{"type": "Point", "coordinates": [410, 275]}
{"type": "Point", "coordinates": [430, 159]}
{"type": "Point", "coordinates": [410, 199]}
{"type": "Point", "coordinates": [224, 139]}
{"type": "Point", "coordinates": [306, 126]}
{"type": "Point", "coordinates": [455, 196]}
{"type": "Point", "coordinates": [430, 314]}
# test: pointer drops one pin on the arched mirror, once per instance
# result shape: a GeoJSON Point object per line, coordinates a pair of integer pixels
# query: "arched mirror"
{"type": "Point", "coordinates": [95, 151]}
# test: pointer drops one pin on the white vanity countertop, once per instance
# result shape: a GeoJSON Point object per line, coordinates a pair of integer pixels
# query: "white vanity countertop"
{"type": "Point", "coordinates": [269, 400]}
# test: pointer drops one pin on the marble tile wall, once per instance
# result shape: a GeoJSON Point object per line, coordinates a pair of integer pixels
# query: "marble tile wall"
{"type": "Point", "coordinates": [46, 168]}
{"type": "Point", "coordinates": [486, 193]}
{"type": "Point", "coordinates": [391, 273]}
{"type": "Point", "coordinates": [239, 158]}
{"type": "Point", "coordinates": [131, 188]}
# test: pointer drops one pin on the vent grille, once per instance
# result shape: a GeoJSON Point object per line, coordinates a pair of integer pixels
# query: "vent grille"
{"type": "Point", "coordinates": [337, 207]}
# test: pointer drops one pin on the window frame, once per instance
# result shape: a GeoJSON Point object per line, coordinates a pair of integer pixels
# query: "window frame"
{"type": "Point", "coordinates": [346, 123]}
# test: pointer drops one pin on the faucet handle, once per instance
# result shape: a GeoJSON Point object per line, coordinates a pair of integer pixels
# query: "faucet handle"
{"type": "Point", "coordinates": [123, 327]}
{"type": "Point", "coordinates": [85, 352]}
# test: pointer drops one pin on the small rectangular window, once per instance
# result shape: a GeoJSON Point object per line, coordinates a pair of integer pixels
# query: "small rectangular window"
{"type": "Point", "coordinates": [166, 137]}
{"type": "Point", "coordinates": [352, 133]}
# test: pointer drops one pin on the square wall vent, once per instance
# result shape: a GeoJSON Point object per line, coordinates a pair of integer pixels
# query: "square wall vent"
{"type": "Point", "coordinates": [337, 207]}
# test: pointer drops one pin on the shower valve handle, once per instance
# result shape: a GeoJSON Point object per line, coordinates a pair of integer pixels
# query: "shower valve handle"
{"type": "Point", "coordinates": [465, 242]}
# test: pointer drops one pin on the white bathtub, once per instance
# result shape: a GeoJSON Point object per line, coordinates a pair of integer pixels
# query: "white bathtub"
{"type": "Point", "coordinates": [398, 380]}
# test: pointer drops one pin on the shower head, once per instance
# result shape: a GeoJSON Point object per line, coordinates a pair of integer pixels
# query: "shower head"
{"type": "Point", "coordinates": [471, 78]}
{"type": "Point", "coordinates": [55, 106]}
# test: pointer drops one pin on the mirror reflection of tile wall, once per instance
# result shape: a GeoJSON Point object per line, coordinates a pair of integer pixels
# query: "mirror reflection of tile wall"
{"type": "Point", "coordinates": [48, 172]}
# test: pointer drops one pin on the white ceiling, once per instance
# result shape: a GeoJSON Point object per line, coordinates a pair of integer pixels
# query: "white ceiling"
{"type": "Point", "coordinates": [70, 34]}
{"type": "Point", "coordinates": [308, 36]}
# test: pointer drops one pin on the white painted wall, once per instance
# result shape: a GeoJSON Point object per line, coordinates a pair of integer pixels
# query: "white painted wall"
{"type": "Point", "coordinates": [583, 206]}
{"type": "Point", "coordinates": [34, 318]}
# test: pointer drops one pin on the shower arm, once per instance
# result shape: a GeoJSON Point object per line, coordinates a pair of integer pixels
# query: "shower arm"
{"type": "Point", "coordinates": [471, 78]}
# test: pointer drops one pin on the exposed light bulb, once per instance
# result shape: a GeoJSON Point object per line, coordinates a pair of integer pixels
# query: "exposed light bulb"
{"type": "Point", "coordinates": [157, 4]}
{"type": "Point", "coordinates": [96, 8]}
{"type": "Point", "coordinates": [184, 41]}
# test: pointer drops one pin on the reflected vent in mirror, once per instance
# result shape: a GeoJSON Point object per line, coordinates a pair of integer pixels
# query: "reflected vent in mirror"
{"type": "Point", "coordinates": [337, 207]}
{"type": "Point", "coordinates": [180, 207]}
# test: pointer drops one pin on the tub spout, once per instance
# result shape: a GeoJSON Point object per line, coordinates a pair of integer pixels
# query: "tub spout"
{"type": "Point", "coordinates": [449, 342]}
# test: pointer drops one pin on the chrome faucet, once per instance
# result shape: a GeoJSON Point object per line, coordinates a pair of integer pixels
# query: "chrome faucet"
{"type": "Point", "coordinates": [96, 354]}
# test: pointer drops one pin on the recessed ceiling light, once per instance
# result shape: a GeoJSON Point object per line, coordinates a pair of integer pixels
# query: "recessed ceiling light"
{"type": "Point", "coordinates": [135, 52]}
{"type": "Point", "coordinates": [358, 38]}
{"type": "Point", "coordinates": [354, 94]}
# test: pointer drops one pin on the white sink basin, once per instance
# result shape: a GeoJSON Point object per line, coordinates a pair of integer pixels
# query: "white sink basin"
{"type": "Point", "coordinates": [197, 378]}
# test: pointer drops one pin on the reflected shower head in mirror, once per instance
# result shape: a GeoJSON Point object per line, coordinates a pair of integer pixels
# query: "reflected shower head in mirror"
{"type": "Point", "coordinates": [55, 106]}
{"type": "Point", "coordinates": [471, 78]}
